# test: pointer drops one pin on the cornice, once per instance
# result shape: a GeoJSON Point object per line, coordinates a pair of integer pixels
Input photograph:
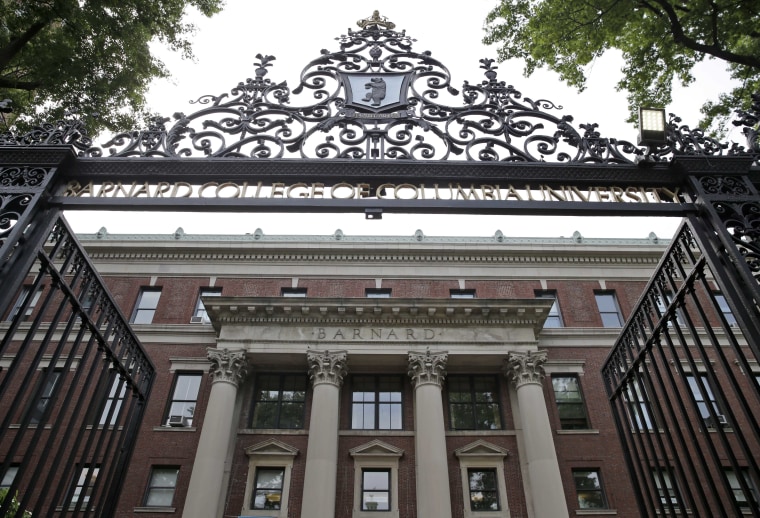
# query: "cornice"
{"type": "Point", "coordinates": [385, 312]}
{"type": "Point", "coordinates": [236, 252]}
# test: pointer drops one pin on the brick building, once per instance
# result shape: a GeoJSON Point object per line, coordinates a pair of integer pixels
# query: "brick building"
{"type": "Point", "coordinates": [350, 375]}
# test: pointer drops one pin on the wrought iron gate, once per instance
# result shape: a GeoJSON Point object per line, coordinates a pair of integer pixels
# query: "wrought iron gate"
{"type": "Point", "coordinates": [683, 377]}
{"type": "Point", "coordinates": [74, 379]}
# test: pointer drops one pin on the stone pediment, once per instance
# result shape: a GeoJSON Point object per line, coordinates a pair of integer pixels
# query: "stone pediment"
{"type": "Point", "coordinates": [271, 447]}
{"type": "Point", "coordinates": [481, 448]}
{"type": "Point", "coordinates": [376, 448]}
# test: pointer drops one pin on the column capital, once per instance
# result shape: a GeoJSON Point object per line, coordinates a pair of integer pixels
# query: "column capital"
{"type": "Point", "coordinates": [227, 366]}
{"type": "Point", "coordinates": [327, 366]}
{"type": "Point", "coordinates": [427, 367]}
{"type": "Point", "coordinates": [528, 367]}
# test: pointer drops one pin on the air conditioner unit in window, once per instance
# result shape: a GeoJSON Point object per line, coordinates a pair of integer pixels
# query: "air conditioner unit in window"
{"type": "Point", "coordinates": [722, 420]}
{"type": "Point", "coordinates": [196, 320]}
{"type": "Point", "coordinates": [177, 421]}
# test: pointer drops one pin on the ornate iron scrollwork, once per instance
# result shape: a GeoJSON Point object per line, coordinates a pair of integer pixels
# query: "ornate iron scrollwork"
{"type": "Point", "coordinates": [377, 98]}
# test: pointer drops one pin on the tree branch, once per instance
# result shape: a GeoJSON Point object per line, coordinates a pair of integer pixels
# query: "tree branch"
{"type": "Point", "coordinates": [713, 50]}
{"type": "Point", "coordinates": [19, 85]}
{"type": "Point", "coordinates": [14, 47]}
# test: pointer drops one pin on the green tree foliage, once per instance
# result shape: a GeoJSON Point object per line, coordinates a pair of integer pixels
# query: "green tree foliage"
{"type": "Point", "coordinates": [88, 56]}
{"type": "Point", "coordinates": [13, 509]}
{"type": "Point", "coordinates": [660, 40]}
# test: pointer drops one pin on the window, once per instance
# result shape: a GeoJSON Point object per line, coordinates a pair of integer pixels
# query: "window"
{"type": "Point", "coordinates": [555, 318]}
{"type": "Point", "coordinates": [161, 486]}
{"type": "Point", "coordinates": [462, 294]}
{"type": "Point", "coordinates": [40, 410]}
{"type": "Point", "coordinates": [9, 476]}
{"type": "Point", "coordinates": [703, 395]}
{"type": "Point", "coordinates": [742, 499]}
{"type": "Point", "coordinates": [481, 468]}
{"type": "Point", "coordinates": [588, 487]}
{"type": "Point", "coordinates": [25, 291]}
{"type": "Point", "coordinates": [474, 403]}
{"type": "Point", "coordinates": [636, 402]}
{"type": "Point", "coordinates": [146, 306]}
{"type": "Point", "coordinates": [609, 309]}
{"type": "Point", "coordinates": [377, 293]}
{"type": "Point", "coordinates": [267, 493]}
{"type": "Point", "coordinates": [484, 492]}
{"type": "Point", "coordinates": [663, 482]}
{"type": "Point", "coordinates": [376, 490]}
{"type": "Point", "coordinates": [270, 464]}
{"type": "Point", "coordinates": [184, 397]}
{"type": "Point", "coordinates": [725, 309]}
{"type": "Point", "coordinates": [279, 401]}
{"type": "Point", "coordinates": [567, 394]}
{"type": "Point", "coordinates": [84, 485]}
{"type": "Point", "coordinates": [376, 403]}
{"type": "Point", "coordinates": [200, 316]}
{"type": "Point", "coordinates": [293, 292]}
{"type": "Point", "coordinates": [113, 404]}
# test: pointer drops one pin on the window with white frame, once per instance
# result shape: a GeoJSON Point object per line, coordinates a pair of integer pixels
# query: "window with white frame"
{"type": "Point", "coordinates": [570, 404]}
{"type": "Point", "coordinates": [21, 299]}
{"type": "Point", "coordinates": [376, 479]}
{"type": "Point", "coordinates": [376, 402]}
{"type": "Point", "coordinates": [377, 293]}
{"type": "Point", "coordinates": [666, 490]}
{"type": "Point", "coordinates": [481, 467]}
{"type": "Point", "coordinates": [745, 497]}
{"type": "Point", "coordinates": [200, 316]}
{"type": "Point", "coordinates": [83, 486]}
{"type": "Point", "coordinates": [635, 397]}
{"type": "Point", "coordinates": [145, 309]}
{"type": "Point", "coordinates": [270, 464]}
{"type": "Point", "coordinates": [9, 476]}
{"type": "Point", "coordinates": [116, 395]}
{"type": "Point", "coordinates": [725, 309]}
{"type": "Point", "coordinates": [181, 408]}
{"type": "Point", "coordinates": [589, 489]}
{"type": "Point", "coordinates": [42, 403]}
{"type": "Point", "coordinates": [704, 397]}
{"type": "Point", "coordinates": [609, 310]}
{"type": "Point", "coordinates": [462, 294]}
{"type": "Point", "coordinates": [161, 486]}
{"type": "Point", "coordinates": [554, 319]}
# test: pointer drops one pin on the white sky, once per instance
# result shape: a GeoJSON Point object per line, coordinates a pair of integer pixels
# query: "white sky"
{"type": "Point", "coordinates": [226, 45]}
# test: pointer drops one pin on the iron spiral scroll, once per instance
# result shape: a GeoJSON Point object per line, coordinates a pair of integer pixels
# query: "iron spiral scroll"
{"type": "Point", "coordinates": [323, 117]}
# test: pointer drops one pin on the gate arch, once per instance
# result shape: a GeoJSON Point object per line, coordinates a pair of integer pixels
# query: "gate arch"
{"type": "Point", "coordinates": [356, 146]}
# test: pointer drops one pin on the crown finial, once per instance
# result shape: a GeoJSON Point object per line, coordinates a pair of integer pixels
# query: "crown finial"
{"type": "Point", "coordinates": [377, 20]}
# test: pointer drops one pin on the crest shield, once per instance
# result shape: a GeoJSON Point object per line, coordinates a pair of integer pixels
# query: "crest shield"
{"type": "Point", "coordinates": [375, 92]}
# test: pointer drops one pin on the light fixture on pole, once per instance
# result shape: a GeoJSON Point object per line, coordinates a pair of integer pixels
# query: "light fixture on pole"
{"type": "Point", "coordinates": [652, 127]}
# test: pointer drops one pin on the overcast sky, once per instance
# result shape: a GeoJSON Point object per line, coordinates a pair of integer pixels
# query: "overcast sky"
{"type": "Point", "coordinates": [226, 45]}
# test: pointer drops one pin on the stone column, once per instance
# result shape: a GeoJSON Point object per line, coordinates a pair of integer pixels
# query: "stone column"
{"type": "Point", "coordinates": [428, 371]}
{"type": "Point", "coordinates": [326, 370]}
{"type": "Point", "coordinates": [544, 480]}
{"type": "Point", "coordinates": [205, 493]}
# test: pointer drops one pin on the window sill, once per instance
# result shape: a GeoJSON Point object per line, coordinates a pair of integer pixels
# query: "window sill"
{"type": "Point", "coordinates": [154, 509]}
{"type": "Point", "coordinates": [595, 512]}
{"type": "Point", "coordinates": [272, 431]}
{"type": "Point", "coordinates": [174, 428]}
{"type": "Point", "coordinates": [492, 433]}
{"type": "Point", "coordinates": [590, 431]}
{"type": "Point", "coordinates": [387, 433]}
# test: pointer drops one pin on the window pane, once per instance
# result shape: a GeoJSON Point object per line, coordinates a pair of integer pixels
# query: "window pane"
{"type": "Point", "coordinates": [268, 491]}
{"type": "Point", "coordinates": [483, 487]}
{"type": "Point", "coordinates": [588, 487]}
{"type": "Point", "coordinates": [279, 401]}
{"type": "Point", "coordinates": [376, 490]}
{"type": "Point", "coordinates": [474, 403]}
{"type": "Point", "coordinates": [187, 387]}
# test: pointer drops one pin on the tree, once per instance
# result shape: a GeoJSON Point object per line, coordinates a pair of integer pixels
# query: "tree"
{"type": "Point", "coordinates": [87, 56]}
{"type": "Point", "coordinates": [661, 41]}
